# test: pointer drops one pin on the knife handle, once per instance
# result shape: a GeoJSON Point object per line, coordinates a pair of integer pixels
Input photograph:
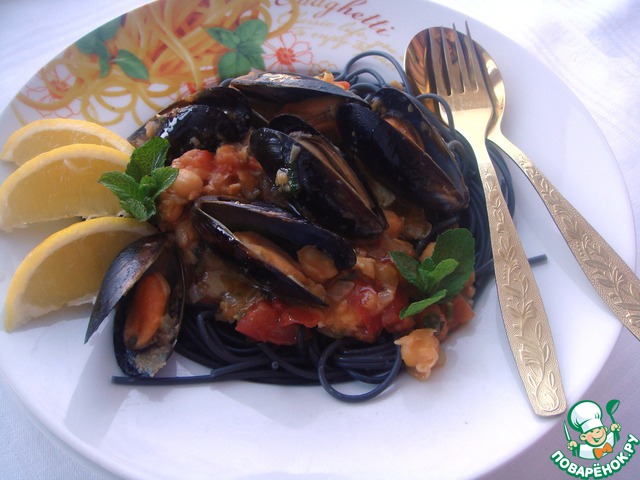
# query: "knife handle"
{"type": "Point", "coordinates": [612, 278]}
{"type": "Point", "coordinates": [525, 319]}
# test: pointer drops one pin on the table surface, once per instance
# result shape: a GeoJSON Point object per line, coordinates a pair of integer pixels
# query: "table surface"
{"type": "Point", "coordinates": [593, 46]}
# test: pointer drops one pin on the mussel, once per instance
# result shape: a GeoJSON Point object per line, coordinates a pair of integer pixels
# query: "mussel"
{"type": "Point", "coordinates": [263, 239]}
{"type": "Point", "coordinates": [146, 285]}
{"type": "Point", "coordinates": [404, 151]}
{"type": "Point", "coordinates": [206, 120]}
{"type": "Point", "coordinates": [317, 179]}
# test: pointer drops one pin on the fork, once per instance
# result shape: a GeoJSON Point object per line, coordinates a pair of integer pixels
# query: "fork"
{"type": "Point", "coordinates": [458, 79]}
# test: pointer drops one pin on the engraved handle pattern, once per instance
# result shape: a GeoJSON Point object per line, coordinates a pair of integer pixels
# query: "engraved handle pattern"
{"type": "Point", "coordinates": [523, 313]}
{"type": "Point", "coordinates": [612, 278]}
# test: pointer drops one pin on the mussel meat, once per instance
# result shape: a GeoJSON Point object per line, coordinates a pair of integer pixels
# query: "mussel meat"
{"type": "Point", "coordinates": [248, 233]}
{"type": "Point", "coordinates": [146, 285]}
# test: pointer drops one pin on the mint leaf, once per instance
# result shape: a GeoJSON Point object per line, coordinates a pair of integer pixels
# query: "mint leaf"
{"type": "Point", "coordinates": [433, 275]}
{"type": "Point", "coordinates": [253, 30]}
{"type": "Point", "coordinates": [457, 244]}
{"type": "Point", "coordinates": [144, 179]}
{"type": "Point", "coordinates": [138, 208]}
{"type": "Point", "coordinates": [408, 268]}
{"type": "Point", "coordinates": [148, 187]}
{"type": "Point", "coordinates": [224, 36]}
{"type": "Point", "coordinates": [131, 65]}
{"type": "Point", "coordinates": [442, 276]}
{"type": "Point", "coordinates": [164, 178]}
{"type": "Point", "coordinates": [147, 158]}
{"type": "Point", "coordinates": [233, 64]}
{"type": "Point", "coordinates": [416, 307]}
{"type": "Point", "coordinates": [121, 184]}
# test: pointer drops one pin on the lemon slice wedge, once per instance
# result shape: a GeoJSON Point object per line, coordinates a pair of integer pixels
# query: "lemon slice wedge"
{"type": "Point", "coordinates": [67, 267]}
{"type": "Point", "coordinates": [43, 135]}
{"type": "Point", "coordinates": [61, 183]}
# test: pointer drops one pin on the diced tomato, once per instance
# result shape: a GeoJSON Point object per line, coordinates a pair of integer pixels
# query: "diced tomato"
{"type": "Point", "coordinates": [262, 323]}
{"type": "Point", "coordinates": [456, 312]}
{"type": "Point", "coordinates": [391, 315]}
{"type": "Point", "coordinates": [360, 300]}
{"type": "Point", "coordinates": [307, 316]}
{"type": "Point", "coordinates": [462, 312]}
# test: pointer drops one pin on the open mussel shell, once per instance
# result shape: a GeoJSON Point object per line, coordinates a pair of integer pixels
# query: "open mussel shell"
{"type": "Point", "coordinates": [123, 273]}
{"type": "Point", "coordinates": [402, 150]}
{"type": "Point", "coordinates": [292, 232]}
{"type": "Point", "coordinates": [204, 121]}
{"type": "Point", "coordinates": [315, 177]}
{"type": "Point", "coordinates": [216, 219]}
{"type": "Point", "coordinates": [155, 253]}
{"type": "Point", "coordinates": [310, 98]}
{"type": "Point", "coordinates": [289, 124]}
{"type": "Point", "coordinates": [138, 357]}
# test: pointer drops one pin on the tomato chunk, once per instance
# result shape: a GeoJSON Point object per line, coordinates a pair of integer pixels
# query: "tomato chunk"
{"type": "Point", "coordinates": [363, 300]}
{"type": "Point", "coordinates": [391, 315]}
{"type": "Point", "coordinates": [262, 323]}
{"type": "Point", "coordinates": [307, 316]}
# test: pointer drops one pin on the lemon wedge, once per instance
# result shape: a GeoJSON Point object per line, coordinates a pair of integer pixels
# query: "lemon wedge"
{"type": "Point", "coordinates": [43, 135]}
{"type": "Point", "coordinates": [61, 183]}
{"type": "Point", "coordinates": [67, 267]}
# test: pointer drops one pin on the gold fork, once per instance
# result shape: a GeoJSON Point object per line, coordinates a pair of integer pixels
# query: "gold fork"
{"type": "Point", "coordinates": [458, 78]}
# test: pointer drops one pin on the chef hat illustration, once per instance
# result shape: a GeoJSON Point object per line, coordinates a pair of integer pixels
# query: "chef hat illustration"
{"type": "Point", "coordinates": [585, 416]}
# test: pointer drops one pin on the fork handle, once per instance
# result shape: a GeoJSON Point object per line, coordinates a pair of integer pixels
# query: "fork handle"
{"type": "Point", "coordinates": [612, 278]}
{"type": "Point", "coordinates": [525, 319]}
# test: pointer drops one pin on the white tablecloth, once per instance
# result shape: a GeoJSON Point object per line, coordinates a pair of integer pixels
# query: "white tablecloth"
{"type": "Point", "coordinates": [592, 45]}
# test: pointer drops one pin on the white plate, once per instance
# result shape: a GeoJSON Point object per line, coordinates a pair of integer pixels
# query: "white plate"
{"type": "Point", "coordinates": [474, 401]}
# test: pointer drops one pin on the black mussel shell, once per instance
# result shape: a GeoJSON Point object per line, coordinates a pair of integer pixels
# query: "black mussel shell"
{"type": "Point", "coordinates": [123, 273]}
{"type": "Point", "coordinates": [291, 231]}
{"type": "Point", "coordinates": [283, 88]}
{"type": "Point", "coordinates": [315, 177]}
{"type": "Point", "coordinates": [289, 124]}
{"type": "Point", "coordinates": [146, 361]}
{"type": "Point", "coordinates": [203, 121]}
{"type": "Point", "coordinates": [221, 239]}
{"type": "Point", "coordinates": [310, 98]}
{"type": "Point", "coordinates": [391, 102]}
{"type": "Point", "coordinates": [401, 164]}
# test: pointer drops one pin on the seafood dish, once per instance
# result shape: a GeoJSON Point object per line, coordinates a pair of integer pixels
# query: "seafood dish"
{"type": "Point", "coordinates": [281, 239]}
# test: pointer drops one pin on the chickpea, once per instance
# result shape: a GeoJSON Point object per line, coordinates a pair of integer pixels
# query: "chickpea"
{"type": "Point", "coordinates": [187, 185]}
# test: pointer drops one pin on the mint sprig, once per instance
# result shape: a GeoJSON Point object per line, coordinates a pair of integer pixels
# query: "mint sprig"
{"type": "Point", "coordinates": [441, 276]}
{"type": "Point", "coordinates": [144, 179]}
{"type": "Point", "coordinates": [245, 45]}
